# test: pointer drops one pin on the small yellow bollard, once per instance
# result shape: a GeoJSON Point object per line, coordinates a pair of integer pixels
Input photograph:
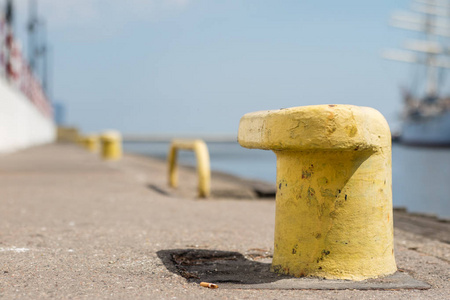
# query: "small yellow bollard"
{"type": "Point", "coordinates": [79, 141]}
{"type": "Point", "coordinates": [203, 167]}
{"type": "Point", "coordinates": [111, 145]}
{"type": "Point", "coordinates": [91, 143]}
{"type": "Point", "coordinates": [334, 189]}
{"type": "Point", "coordinates": [67, 134]}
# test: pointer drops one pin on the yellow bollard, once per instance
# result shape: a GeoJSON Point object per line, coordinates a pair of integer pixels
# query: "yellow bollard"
{"type": "Point", "coordinates": [203, 167]}
{"type": "Point", "coordinates": [91, 143]}
{"type": "Point", "coordinates": [79, 140]}
{"type": "Point", "coordinates": [111, 145]}
{"type": "Point", "coordinates": [67, 134]}
{"type": "Point", "coordinates": [83, 142]}
{"type": "Point", "coordinates": [334, 189]}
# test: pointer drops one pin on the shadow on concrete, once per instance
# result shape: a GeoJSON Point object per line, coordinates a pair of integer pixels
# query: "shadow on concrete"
{"type": "Point", "coordinates": [159, 190]}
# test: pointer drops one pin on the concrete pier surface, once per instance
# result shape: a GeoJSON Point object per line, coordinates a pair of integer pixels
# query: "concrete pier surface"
{"type": "Point", "coordinates": [75, 227]}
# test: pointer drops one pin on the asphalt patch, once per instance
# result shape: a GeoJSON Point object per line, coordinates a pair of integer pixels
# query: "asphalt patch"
{"type": "Point", "coordinates": [232, 270]}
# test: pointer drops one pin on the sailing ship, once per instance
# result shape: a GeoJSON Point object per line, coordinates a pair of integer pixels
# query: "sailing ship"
{"type": "Point", "coordinates": [426, 115]}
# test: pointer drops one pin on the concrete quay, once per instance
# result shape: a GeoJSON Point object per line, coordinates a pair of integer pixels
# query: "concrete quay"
{"type": "Point", "coordinates": [75, 227]}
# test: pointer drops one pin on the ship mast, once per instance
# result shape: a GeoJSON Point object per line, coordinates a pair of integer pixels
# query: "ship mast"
{"type": "Point", "coordinates": [430, 17]}
{"type": "Point", "coordinates": [431, 56]}
{"type": "Point", "coordinates": [32, 26]}
{"type": "Point", "coordinates": [37, 48]}
{"type": "Point", "coordinates": [9, 14]}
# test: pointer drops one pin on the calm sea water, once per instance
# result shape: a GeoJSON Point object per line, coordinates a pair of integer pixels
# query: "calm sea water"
{"type": "Point", "coordinates": [421, 176]}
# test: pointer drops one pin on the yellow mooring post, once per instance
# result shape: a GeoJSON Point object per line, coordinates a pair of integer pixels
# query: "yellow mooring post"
{"type": "Point", "coordinates": [111, 145]}
{"type": "Point", "coordinates": [91, 143]}
{"type": "Point", "coordinates": [334, 189]}
{"type": "Point", "coordinates": [203, 167]}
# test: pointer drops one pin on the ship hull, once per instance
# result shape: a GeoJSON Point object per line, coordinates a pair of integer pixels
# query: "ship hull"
{"type": "Point", "coordinates": [427, 131]}
{"type": "Point", "coordinates": [22, 124]}
{"type": "Point", "coordinates": [26, 114]}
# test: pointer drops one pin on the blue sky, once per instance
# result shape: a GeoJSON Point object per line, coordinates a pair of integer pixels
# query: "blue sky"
{"type": "Point", "coordinates": [197, 66]}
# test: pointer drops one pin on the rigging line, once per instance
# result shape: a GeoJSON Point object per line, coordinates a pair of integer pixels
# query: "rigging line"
{"type": "Point", "coordinates": [417, 78]}
{"type": "Point", "coordinates": [440, 80]}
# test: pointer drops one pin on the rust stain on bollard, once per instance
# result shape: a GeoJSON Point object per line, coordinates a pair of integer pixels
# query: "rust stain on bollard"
{"type": "Point", "coordinates": [334, 196]}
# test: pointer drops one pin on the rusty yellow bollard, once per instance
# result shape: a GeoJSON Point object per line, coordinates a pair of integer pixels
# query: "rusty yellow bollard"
{"type": "Point", "coordinates": [203, 167]}
{"type": "Point", "coordinates": [334, 189]}
{"type": "Point", "coordinates": [91, 143]}
{"type": "Point", "coordinates": [111, 145]}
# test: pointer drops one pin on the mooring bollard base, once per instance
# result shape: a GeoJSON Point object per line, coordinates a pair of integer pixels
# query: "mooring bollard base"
{"type": "Point", "coordinates": [333, 215]}
{"type": "Point", "coordinates": [396, 281]}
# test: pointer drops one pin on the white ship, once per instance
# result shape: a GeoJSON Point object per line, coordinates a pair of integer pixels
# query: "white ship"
{"type": "Point", "coordinates": [426, 116]}
{"type": "Point", "coordinates": [26, 114]}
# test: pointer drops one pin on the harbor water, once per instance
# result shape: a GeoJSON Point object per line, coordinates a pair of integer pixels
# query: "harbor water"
{"type": "Point", "coordinates": [421, 176]}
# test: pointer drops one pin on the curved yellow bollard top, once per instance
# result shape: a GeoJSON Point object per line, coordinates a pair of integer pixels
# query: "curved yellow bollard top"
{"type": "Point", "coordinates": [333, 127]}
{"type": "Point", "coordinates": [334, 189]}
{"type": "Point", "coordinates": [111, 145]}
